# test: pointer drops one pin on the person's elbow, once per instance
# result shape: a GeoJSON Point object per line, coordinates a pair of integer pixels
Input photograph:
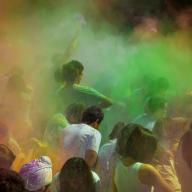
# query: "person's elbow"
{"type": "Point", "coordinates": [91, 158]}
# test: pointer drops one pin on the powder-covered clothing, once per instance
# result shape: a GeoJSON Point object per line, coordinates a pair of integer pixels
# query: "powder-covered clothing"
{"type": "Point", "coordinates": [184, 172]}
{"type": "Point", "coordinates": [37, 173]}
{"type": "Point", "coordinates": [78, 94]}
{"type": "Point", "coordinates": [107, 158]}
{"type": "Point", "coordinates": [77, 139]}
{"type": "Point", "coordinates": [165, 166]}
{"type": "Point", "coordinates": [126, 178]}
{"type": "Point", "coordinates": [147, 121]}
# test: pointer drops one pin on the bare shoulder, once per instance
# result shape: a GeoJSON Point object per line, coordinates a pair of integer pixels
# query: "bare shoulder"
{"type": "Point", "coordinates": [147, 174]}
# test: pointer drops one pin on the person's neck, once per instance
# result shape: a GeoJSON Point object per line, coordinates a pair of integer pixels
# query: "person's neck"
{"type": "Point", "coordinates": [127, 161]}
{"type": "Point", "coordinates": [91, 125]}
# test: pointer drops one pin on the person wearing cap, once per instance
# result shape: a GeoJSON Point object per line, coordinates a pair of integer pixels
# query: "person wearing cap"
{"type": "Point", "coordinates": [37, 174]}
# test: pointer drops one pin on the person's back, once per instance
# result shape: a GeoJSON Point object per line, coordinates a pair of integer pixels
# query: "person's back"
{"type": "Point", "coordinates": [83, 140]}
{"type": "Point", "coordinates": [70, 76]}
{"type": "Point", "coordinates": [183, 171]}
{"type": "Point", "coordinates": [78, 138]}
{"type": "Point", "coordinates": [127, 178]}
{"type": "Point", "coordinates": [107, 158]}
{"type": "Point", "coordinates": [136, 147]}
{"type": "Point", "coordinates": [183, 162]}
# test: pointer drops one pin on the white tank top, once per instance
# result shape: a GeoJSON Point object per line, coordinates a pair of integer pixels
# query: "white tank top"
{"type": "Point", "coordinates": [127, 180]}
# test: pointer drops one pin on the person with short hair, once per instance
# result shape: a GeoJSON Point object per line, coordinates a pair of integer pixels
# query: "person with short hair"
{"type": "Point", "coordinates": [37, 174]}
{"type": "Point", "coordinates": [71, 91]}
{"type": "Point", "coordinates": [83, 140]}
{"type": "Point", "coordinates": [74, 112]}
{"type": "Point", "coordinates": [136, 147]}
{"type": "Point", "coordinates": [10, 181]}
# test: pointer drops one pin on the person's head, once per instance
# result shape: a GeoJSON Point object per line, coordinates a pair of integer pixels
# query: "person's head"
{"type": "Point", "coordinates": [159, 87]}
{"type": "Point", "coordinates": [76, 176]}
{"type": "Point", "coordinates": [186, 143]}
{"type": "Point", "coordinates": [70, 73]}
{"type": "Point", "coordinates": [92, 116]}
{"type": "Point", "coordinates": [7, 157]}
{"type": "Point", "coordinates": [74, 112]}
{"type": "Point", "coordinates": [116, 130]}
{"type": "Point", "coordinates": [137, 143]}
{"type": "Point", "coordinates": [157, 107]}
{"type": "Point", "coordinates": [37, 174]}
{"type": "Point", "coordinates": [10, 181]}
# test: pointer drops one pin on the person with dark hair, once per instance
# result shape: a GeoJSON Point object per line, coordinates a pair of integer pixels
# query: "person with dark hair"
{"type": "Point", "coordinates": [74, 112]}
{"type": "Point", "coordinates": [70, 73]}
{"type": "Point", "coordinates": [136, 147]}
{"type": "Point", "coordinates": [107, 158]}
{"type": "Point", "coordinates": [75, 176]}
{"type": "Point", "coordinates": [83, 140]}
{"type": "Point", "coordinates": [70, 91]}
{"type": "Point", "coordinates": [10, 181]}
{"type": "Point", "coordinates": [155, 109]}
{"type": "Point", "coordinates": [183, 162]}
{"type": "Point", "coordinates": [6, 157]}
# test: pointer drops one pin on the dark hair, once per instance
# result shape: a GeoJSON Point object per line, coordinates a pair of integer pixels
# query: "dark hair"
{"type": "Point", "coordinates": [7, 157]}
{"type": "Point", "coordinates": [69, 72]}
{"type": "Point", "coordinates": [75, 110]}
{"type": "Point", "coordinates": [10, 181]}
{"type": "Point", "coordinates": [155, 103]}
{"type": "Point", "coordinates": [137, 143]}
{"type": "Point", "coordinates": [186, 143]}
{"type": "Point", "coordinates": [116, 130]}
{"type": "Point", "coordinates": [76, 170]}
{"type": "Point", "coordinates": [92, 114]}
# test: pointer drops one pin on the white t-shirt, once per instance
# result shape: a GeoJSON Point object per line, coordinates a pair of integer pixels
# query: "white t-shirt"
{"type": "Point", "coordinates": [77, 139]}
{"type": "Point", "coordinates": [107, 158]}
{"type": "Point", "coordinates": [126, 178]}
{"type": "Point", "coordinates": [147, 121]}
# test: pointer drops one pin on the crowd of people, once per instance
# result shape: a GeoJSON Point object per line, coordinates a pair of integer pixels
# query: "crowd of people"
{"type": "Point", "coordinates": [150, 151]}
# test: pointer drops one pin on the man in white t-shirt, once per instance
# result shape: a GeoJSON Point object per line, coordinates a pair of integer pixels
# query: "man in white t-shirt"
{"type": "Point", "coordinates": [83, 140]}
